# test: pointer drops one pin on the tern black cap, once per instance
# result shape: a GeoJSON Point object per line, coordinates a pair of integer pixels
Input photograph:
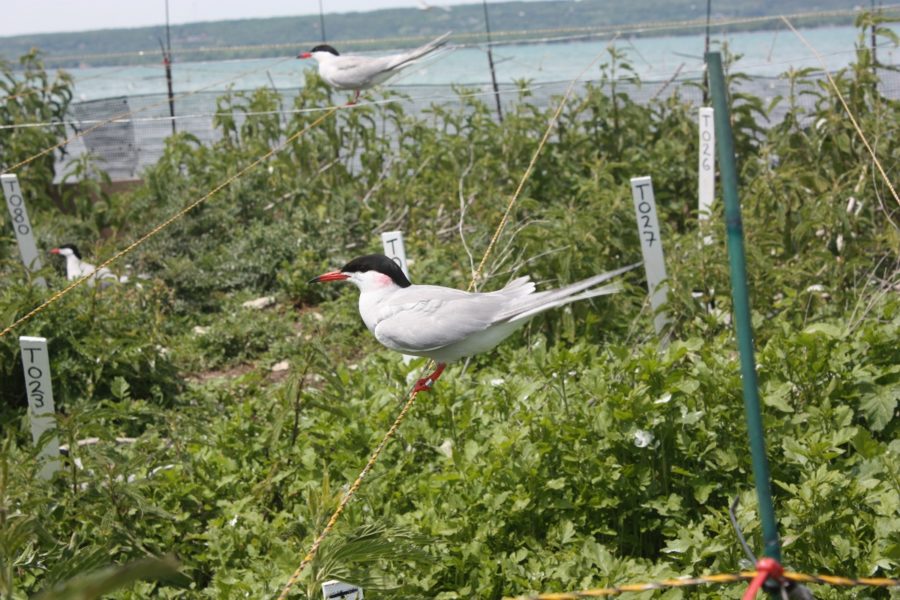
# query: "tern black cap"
{"type": "Point", "coordinates": [380, 263]}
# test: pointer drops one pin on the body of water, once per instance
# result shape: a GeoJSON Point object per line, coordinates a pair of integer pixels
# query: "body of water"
{"type": "Point", "coordinates": [764, 53]}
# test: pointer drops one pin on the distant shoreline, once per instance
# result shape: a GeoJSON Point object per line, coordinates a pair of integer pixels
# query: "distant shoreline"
{"type": "Point", "coordinates": [514, 23]}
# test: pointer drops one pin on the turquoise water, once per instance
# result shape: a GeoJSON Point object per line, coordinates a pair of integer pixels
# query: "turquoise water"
{"type": "Point", "coordinates": [765, 53]}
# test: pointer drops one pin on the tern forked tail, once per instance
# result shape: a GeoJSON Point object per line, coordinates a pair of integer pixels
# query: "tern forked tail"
{"type": "Point", "coordinates": [404, 59]}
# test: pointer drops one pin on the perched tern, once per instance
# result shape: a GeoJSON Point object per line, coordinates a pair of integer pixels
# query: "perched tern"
{"type": "Point", "coordinates": [426, 6]}
{"type": "Point", "coordinates": [363, 72]}
{"type": "Point", "coordinates": [445, 324]}
{"type": "Point", "coordinates": [77, 268]}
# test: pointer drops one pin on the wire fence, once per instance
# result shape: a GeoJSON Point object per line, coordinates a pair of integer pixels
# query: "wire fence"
{"type": "Point", "coordinates": [124, 148]}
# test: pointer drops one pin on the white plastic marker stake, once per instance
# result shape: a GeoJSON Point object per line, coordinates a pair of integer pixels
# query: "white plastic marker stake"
{"type": "Point", "coordinates": [706, 170]}
{"type": "Point", "coordinates": [651, 247]}
{"type": "Point", "coordinates": [394, 249]}
{"type": "Point", "coordinates": [21, 225]}
{"type": "Point", "coordinates": [339, 590]}
{"type": "Point", "coordinates": [41, 411]}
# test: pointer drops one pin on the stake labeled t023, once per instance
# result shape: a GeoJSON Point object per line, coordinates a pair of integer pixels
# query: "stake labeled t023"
{"type": "Point", "coordinates": [41, 410]}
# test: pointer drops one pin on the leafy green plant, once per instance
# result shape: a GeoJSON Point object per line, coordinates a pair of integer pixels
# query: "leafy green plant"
{"type": "Point", "coordinates": [31, 95]}
{"type": "Point", "coordinates": [578, 454]}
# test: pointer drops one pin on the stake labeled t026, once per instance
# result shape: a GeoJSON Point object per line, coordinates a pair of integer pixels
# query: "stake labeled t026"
{"type": "Point", "coordinates": [706, 169]}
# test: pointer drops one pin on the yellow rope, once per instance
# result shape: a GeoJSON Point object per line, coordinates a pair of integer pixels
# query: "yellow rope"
{"type": "Point", "coordinates": [310, 555]}
{"type": "Point", "coordinates": [615, 590]}
{"type": "Point", "coordinates": [534, 157]}
{"type": "Point", "coordinates": [56, 296]}
{"type": "Point", "coordinates": [840, 96]}
{"type": "Point", "coordinates": [346, 499]}
{"type": "Point", "coordinates": [123, 115]}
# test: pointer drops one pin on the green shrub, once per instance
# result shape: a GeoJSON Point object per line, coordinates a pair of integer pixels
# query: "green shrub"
{"type": "Point", "coordinates": [578, 454]}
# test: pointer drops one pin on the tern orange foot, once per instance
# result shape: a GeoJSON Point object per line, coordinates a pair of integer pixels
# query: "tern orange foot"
{"type": "Point", "coordinates": [424, 384]}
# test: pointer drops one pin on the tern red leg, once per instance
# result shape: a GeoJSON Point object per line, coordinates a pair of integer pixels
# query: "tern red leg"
{"type": "Point", "coordinates": [355, 99]}
{"type": "Point", "coordinates": [424, 384]}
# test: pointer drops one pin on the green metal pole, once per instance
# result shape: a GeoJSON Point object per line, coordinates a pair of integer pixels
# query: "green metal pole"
{"type": "Point", "coordinates": [735, 230]}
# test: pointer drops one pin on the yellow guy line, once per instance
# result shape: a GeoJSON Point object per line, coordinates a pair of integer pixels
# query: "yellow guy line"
{"type": "Point", "coordinates": [350, 492]}
{"type": "Point", "coordinates": [709, 579]}
{"type": "Point", "coordinates": [846, 108]}
{"type": "Point", "coordinates": [168, 222]}
{"type": "Point", "coordinates": [123, 115]}
{"type": "Point", "coordinates": [530, 168]}
{"type": "Point", "coordinates": [406, 407]}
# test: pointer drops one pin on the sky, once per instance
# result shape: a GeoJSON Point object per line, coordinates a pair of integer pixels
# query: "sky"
{"type": "Point", "coordinates": [47, 16]}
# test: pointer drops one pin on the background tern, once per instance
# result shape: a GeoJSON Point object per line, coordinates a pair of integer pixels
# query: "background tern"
{"type": "Point", "coordinates": [363, 72]}
{"type": "Point", "coordinates": [76, 268]}
{"type": "Point", "coordinates": [445, 324]}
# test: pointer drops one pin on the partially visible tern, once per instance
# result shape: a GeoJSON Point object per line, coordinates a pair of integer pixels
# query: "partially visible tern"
{"type": "Point", "coordinates": [77, 268]}
{"type": "Point", "coordinates": [363, 72]}
{"type": "Point", "coordinates": [445, 324]}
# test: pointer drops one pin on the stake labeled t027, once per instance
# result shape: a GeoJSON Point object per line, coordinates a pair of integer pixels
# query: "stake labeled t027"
{"type": "Point", "coordinates": [651, 247]}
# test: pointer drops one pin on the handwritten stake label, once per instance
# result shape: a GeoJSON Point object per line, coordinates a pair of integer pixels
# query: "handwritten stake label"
{"type": "Point", "coordinates": [36, 363]}
{"type": "Point", "coordinates": [394, 249]}
{"type": "Point", "coordinates": [651, 246]}
{"type": "Point", "coordinates": [339, 590]}
{"type": "Point", "coordinates": [21, 225]}
{"type": "Point", "coordinates": [706, 169]}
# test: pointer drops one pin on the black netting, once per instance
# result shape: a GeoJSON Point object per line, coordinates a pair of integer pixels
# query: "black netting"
{"type": "Point", "coordinates": [126, 146]}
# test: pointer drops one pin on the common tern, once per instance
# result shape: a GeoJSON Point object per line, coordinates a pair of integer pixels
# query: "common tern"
{"type": "Point", "coordinates": [428, 6]}
{"type": "Point", "coordinates": [446, 324]}
{"type": "Point", "coordinates": [363, 72]}
{"type": "Point", "coordinates": [77, 268]}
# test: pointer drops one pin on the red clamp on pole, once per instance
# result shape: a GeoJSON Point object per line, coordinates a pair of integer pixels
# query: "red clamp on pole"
{"type": "Point", "coordinates": [765, 568]}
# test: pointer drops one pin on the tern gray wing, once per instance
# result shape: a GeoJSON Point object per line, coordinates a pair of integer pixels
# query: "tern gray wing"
{"type": "Point", "coordinates": [355, 72]}
{"type": "Point", "coordinates": [431, 317]}
{"type": "Point", "coordinates": [362, 64]}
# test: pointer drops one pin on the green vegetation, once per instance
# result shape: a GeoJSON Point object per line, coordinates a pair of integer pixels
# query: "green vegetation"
{"type": "Point", "coordinates": [576, 455]}
{"type": "Point", "coordinates": [254, 38]}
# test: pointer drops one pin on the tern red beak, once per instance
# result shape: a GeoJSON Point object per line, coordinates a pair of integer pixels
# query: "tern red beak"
{"type": "Point", "coordinates": [305, 55]}
{"type": "Point", "coordinates": [54, 251]}
{"type": "Point", "coordinates": [333, 276]}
